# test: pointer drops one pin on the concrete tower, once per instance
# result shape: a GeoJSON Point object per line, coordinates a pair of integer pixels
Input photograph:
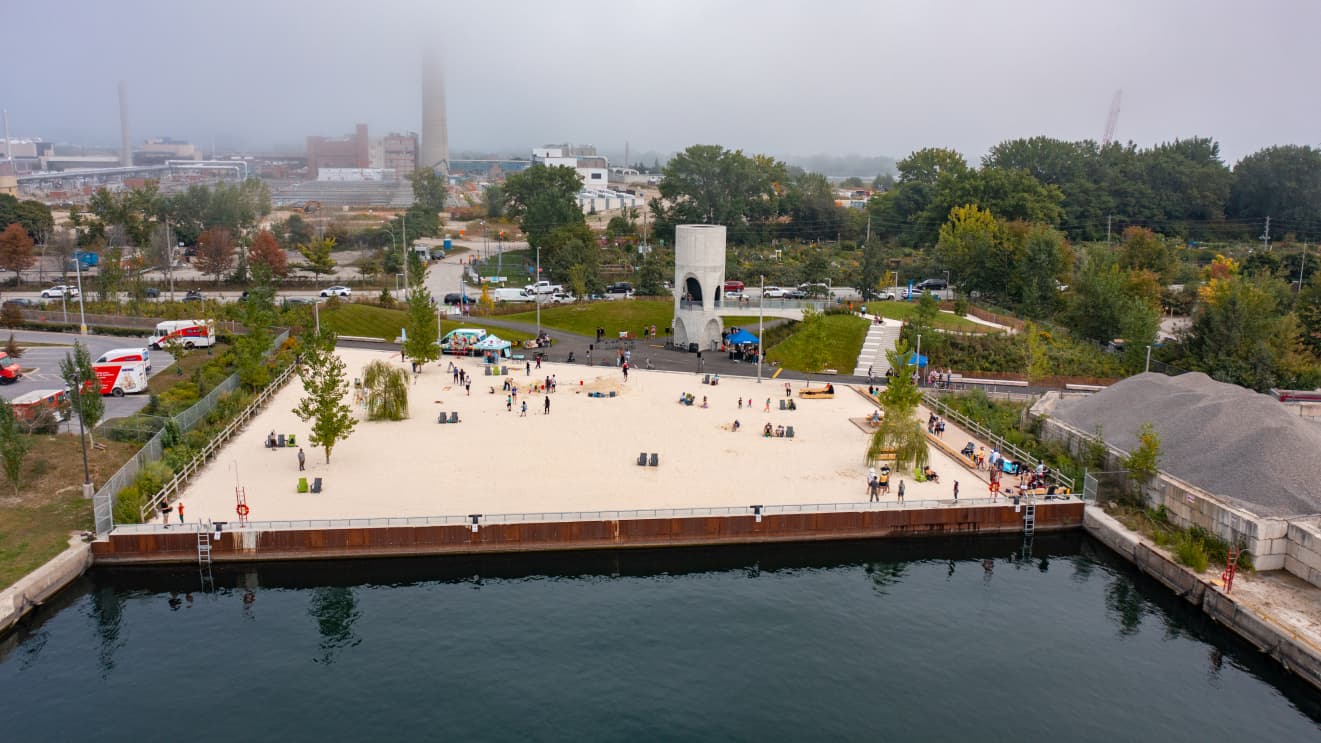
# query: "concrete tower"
{"type": "Point", "coordinates": [435, 130]}
{"type": "Point", "coordinates": [125, 144]}
{"type": "Point", "coordinates": [699, 278]}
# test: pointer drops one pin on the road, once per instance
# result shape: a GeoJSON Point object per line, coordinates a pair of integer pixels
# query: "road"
{"type": "Point", "coordinates": [44, 365]}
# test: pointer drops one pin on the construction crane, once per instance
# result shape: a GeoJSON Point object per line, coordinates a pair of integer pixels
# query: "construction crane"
{"type": "Point", "coordinates": [1112, 120]}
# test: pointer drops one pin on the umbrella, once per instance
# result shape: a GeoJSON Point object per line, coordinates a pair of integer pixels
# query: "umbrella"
{"type": "Point", "coordinates": [742, 337]}
{"type": "Point", "coordinates": [914, 358]}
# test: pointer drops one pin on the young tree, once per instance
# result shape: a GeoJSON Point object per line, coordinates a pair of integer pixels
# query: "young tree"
{"type": "Point", "coordinates": [215, 252]}
{"type": "Point", "coordinates": [12, 348]}
{"type": "Point", "coordinates": [317, 255]}
{"type": "Point", "coordinates": [325, 382]}
{"type": "Point", "coordinates": [79, 377]}
{"type": "Point", "coordinates": [1143, 463]}
{"type": "Point", "coordinates": [900, 430]}
{"type": "Point", "coordinates": [387, 391]}
{"type": "Point", "coordinates": [14, 445]}
{"type": "Point", "coordinates": [422, 343]}
{"type": "Point", "coordinates": [266, 251]}
{"type": "Point", "coordinates": [816, 354]}
{"type": "Point", "coordinates": [16, 249]}
{"type": "Point", "coordinates": [258, 317]}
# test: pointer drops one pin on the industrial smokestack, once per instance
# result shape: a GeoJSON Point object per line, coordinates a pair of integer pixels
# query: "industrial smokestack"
{"type": "Point", "coordinates": [9, 146]}
{"type": "Point", "coordinates": [125, 144]}
{"type": "Point", "coordinates": [435, 129]}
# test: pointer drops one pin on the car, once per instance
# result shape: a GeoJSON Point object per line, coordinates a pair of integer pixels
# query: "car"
{"type": "Point", "coordinates": [456, 298]}
{"type": "Point", "coordinates": [23, 303]}
{"type": "Point", "coordinates": [796, 294]}
{"type": "Point", "coordinates": [733, 295]}
{"type": "Point", "coordinates": [882, 295]}
{"type": "Point", "coordinates": [773, 292]}
{"type": "Point", "coordinates": [56, 292]}
{"type": "Point", "coordinates": [619, 287]}
{"type": "Point", "coordinates": [152, 293]}
{"type": "Point", "coordinates": [193, 295]}
{"type": "Point", "coordinates": [936, 284]}
{"type": "Point", "coordinates": [337, 291]}
{"type": "Point", "coordinates": [293, 301]}
{"type": "Point", "coordinates": [816, 290]}
{"type": "Point", "coordinates": [563, 298]}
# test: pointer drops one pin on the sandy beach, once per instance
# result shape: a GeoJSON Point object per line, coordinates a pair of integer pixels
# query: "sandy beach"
{"type": "Point", "coordinates": [580, 457]}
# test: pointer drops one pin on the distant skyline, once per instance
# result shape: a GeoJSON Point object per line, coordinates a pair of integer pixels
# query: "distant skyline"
{"type": "Point", "coordinates": [842, 78]}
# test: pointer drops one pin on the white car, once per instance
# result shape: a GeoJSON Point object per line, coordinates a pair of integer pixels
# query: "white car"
{"type": "Point", "coordinates": [884, 295]}
{"type": "Point", "coordinates": [773, 292]}
{"type": "Point", "coordinates": [55, 292]}
{"type": "Point", "coordinates": [337, 291]}
{"type": "Point", "coordinates": [563, 298]}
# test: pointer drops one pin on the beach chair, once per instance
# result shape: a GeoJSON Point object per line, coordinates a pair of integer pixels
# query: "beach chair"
{"type": "Point", "coordinates": [655, 460]}
{"type": "Point", "coordinates": [302, 484]}
{"type": "Point", "coordinates": [291, 440]}
{"type": "Point", "coordinates": [316, 485]}
{"type": "Point", "coordinates": [454, 416]}
{"type": "Point", "coordinates": [706, 379]}
{"type": "Point", "coordinates": [280, 441]}
{"type": "Point", "coordinates": [642, 459]}
{"type": "Point", "coordinates": [788, 432]}
{"type": "Point", "coordinates": [487, 369]}
{"type": "Point", "coordinates": [442, 418]}
{"type": "Point", "coordinates": [783, 405]}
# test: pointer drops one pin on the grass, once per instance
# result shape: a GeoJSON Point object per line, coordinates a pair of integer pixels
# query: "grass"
{"type": "Point", "coordinates": [621, 314]}
{"type": "Point", "coordinates": [514, 266]}
{"type": "Point", "coordinates": [844, 335]}
{"type": "Point", "coordinates": [369, 321]}
{"type": "Point", "coordinates": [513, 336]}
{"type": "Point", "coordinates": [905, 310]}
{"type": "Point", "coordinates": [35, 526]}
{"type": "Point", "coordinates": [192, 360]}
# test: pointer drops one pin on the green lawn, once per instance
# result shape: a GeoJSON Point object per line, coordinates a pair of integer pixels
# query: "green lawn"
{"type": "Point", "coordinates": [844, 336]}
{"type": "Point", "coordinates": [368, 321]}
{"type": "Point", "coordinates": [905, 310]}
{"type": "Point", "coordinates": [620, 314]}
{"type": "Point", "coordinates": [513, 336]}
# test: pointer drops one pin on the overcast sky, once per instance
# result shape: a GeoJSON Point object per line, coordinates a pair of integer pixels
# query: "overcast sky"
{"type": "Point", "coordinates": [873, 77]}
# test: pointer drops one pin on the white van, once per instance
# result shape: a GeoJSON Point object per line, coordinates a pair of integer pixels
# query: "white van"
{"type": "Point", "coordinates": [511, 295]}
{"type": "Point", "coordinates": [126, 355]}
{"type": "Point", "coordinates": [189, 332]}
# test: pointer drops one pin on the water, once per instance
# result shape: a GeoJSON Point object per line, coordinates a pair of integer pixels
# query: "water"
{"type": "Point", "coordinates": [925, 641]}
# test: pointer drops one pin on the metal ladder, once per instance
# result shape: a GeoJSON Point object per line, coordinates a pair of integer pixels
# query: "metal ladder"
{"type": "Point", "coordinates": [203, 547]}
{"type": "Point", "coordinates": [1030, 516]}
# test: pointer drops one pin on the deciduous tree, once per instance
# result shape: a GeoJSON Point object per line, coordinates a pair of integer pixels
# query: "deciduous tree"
{"type": "Point", "coordinates": [215, 252]}
{"type": "Point", "coordinates": [422, 344]}
{"type": "Point", "coordinates": [80, 378]}
{"type": "Point", "coordinates": [900, 430]}
{"type": "Point", "coordinates": [16, 249]}
{"type": "Point", "coordinates": [14, 445]}
{"type": "Point", "coordinates": [325, 385]}
{"type": "Point", "coordinates": [543, 199]}
{"type": "Point", "coordinates": [266, 251]}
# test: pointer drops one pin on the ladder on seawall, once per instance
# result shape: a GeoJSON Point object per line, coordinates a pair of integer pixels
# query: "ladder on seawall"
{"type": "Point", "coordinates": [1030, 516]}
{"type": "Point", "coordinates": [204, 546]}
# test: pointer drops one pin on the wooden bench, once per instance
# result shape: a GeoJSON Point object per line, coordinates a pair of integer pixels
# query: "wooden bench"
{"type": "Point", "coordinates": [813, 393]}
{"type": "Point", "coordinates": [887, 455]}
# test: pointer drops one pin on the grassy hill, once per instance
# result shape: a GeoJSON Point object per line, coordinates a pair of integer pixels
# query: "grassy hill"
{"type": "Point", "coordinates": [369, 321]}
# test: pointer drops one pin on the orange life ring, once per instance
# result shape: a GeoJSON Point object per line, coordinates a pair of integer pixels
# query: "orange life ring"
{"type": "Point", "coordinates": [243, 509]}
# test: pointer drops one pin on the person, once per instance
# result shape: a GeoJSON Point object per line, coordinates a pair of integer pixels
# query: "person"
{"type": "Point", "coordinates": [270, 440]}
{"type": "Point", "coordinates": [874, 491]}
{"type": "Point", "coordinates": [522, 413]}
{"type": "Point", "coordinates": [181, 512]}
{"type": "Point", "coordinates": [767, 409]}
{"type": "Point", "coordinates": [509, 403]}
{"type": "Point", "coordinates": [625, 368]}
{"type": "Point", "coordinates": [930, 474]}
{"type": "Point", "coordinates": [740, 402]}
{"type": "Point", "coordinates": [546, 407]}
{"type": "Point", "coordinates": [767, 431]}
{"type": "Point", "coordinates": [779, 432]}
{"type": "Point", "coordinates": [871, 476]}
{"type": "Point", "coordinates": [956, 491]}
{"type": "Point", "coordinates": [869, 373]}
{"type": "Point", "coordinates": [737, 425]}
{"type": "Point", "coordinates": [703, 400]}
{"type": "Point", "coordinates": [538, 361]}
{"type": "Point", "coordinates": [875, 418]}
{"type": "Point", "coordinates": [830, 388]}
{"type": "Point", "coordinates": [528, 369]}
{"type": "Point", "coordinates": [165, 513]}
{"type": "Point", "coordinates": [302, 460]}
{"type": "Point", "coordinates": [981, 457]}
{"type": "Point", "coordinates": [900, 493]}
{"type": "Point", "coordinates": [715, 380]}
{"type": "Point", "coordinates": [792, 405]}
{"type": "Point", "coordinates": [884, 480]}
{"type": "Point", "coordinates": [788, 390]}
{"type": "Point", "coordinates": [467, 387]}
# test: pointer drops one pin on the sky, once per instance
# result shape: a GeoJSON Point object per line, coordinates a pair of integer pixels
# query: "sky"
{"type": "Point", "coordinates": [870, 78]}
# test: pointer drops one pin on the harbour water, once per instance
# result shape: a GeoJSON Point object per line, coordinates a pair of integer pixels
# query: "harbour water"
{"type": "Point", "coordinates": [933, 640]}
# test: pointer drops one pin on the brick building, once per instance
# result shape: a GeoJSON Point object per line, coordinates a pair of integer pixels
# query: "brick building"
{"type": "Point", "coordinates": [352, 151]}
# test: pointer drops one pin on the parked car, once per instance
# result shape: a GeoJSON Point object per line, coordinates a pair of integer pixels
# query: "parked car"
{"type": "Point", "coordinates": [773, 292]}
{"type": "Point", "coordinates": [933, 284]}
{"type": "Point", "coordinates": [152, 293]}
{"type": "Point", "coordinates": [733, 295]}
{"type": "Point", "coordinates": [23, 303]}
{"type": "Point", "coordinates": [883, 294]}
{"type": "Point", "coordinates": [193, 295]}
{"type": "Point", "coordinates": [55, 292]}
{"type": "Point", "coordinates": [619, 287]}
{"type": "Point", "coordinates": [563, 298]}
{"type": "Point", "coordinates": [337, 291]}
{"type": "Point", "coordinates": [796, 294]}
{"type": "Point", "coordinates": [456, 298]}
{"type": "Point", "coordinates": [292, 301]}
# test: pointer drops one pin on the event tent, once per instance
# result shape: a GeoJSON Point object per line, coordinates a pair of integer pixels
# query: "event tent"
{"type": "Point", "coordinates": [741, 337]}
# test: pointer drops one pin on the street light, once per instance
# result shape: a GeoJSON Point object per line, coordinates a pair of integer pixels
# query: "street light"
{"type": "Point", "coordinates": [537, 289]}
{"type": "Point", "coordinates": [761, 325]}
{"type": "Point", "coordinates": [82, 316]}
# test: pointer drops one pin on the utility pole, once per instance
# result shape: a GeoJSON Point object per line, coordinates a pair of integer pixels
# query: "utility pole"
{"type": "Point", "coordinates": [1301, 264]}
{"type": "Point", "coordinates": [1266, 236]}
{"type": "Point", "coordinates": [403, 228]}
{"type": "Point", "coordinates": [537, 291]}
{"type": "Point", "coordinates": [761, 326]}
{"type": "Point", "coordinates": [1107, 230]}
{"type": "Point", "coordinates": [868, 238]}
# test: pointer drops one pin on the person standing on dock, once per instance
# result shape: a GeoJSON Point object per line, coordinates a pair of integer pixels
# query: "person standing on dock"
{"type": "Point", "coordinates": [181, 512]}
{"type": "Point", "coordinates": [956, 491]}
{"type": "Point", "coordinates": [901, 491]}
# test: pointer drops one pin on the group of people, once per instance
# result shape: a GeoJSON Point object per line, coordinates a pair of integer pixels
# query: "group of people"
{"type": "Point", "coordinates": [936, 425]}
{"type": "Point", "coordinates": [767, 431]}
{"type": "Point", "coordinates": [940, 379]}
{"type": "Point", "coordinates": [878, 484]}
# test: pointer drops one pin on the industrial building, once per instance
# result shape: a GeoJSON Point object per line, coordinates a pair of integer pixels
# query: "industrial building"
{"type": "Point", "coordinates": [593, 169]}
{"type": "Point", "coordinates": [350, 151]}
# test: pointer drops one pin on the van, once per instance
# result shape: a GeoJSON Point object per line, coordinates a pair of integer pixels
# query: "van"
{"type": "Point", "coordinates": [191, 333]}
{"type": "Point", "coordinates": [126, 355]}
{"type": "Point", "coordinates": [121, 379]}
{"type": "Point", "coordinates": [41, 410]}
{"type": "Point", "coordinates": [511, 295]}
{"type": "Point", "coordinates": [461, 340]}
{"type": "Point", "coordinates": [10, 371]}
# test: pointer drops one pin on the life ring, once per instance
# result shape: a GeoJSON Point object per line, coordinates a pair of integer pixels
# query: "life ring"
{"type": "Point", "coordinates": [243, 509]}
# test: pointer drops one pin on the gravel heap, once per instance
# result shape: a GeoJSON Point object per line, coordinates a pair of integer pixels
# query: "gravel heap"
{"type": "Point", "coordinates": [1240, 445]}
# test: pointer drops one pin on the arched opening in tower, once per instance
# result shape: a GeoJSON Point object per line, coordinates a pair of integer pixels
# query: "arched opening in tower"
{"type": "Point", "coordinates": [693, 289]}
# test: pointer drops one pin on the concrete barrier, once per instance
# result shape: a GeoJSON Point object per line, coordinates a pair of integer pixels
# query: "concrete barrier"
{"type": "Point", "coordinates": [36, 587]}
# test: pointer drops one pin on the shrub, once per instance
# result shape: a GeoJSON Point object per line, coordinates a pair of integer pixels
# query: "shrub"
{"type": "Point", "coordinates": [1188, 550]}
{"type": "Point", "coordinates": [152, 477]}
{"type": "Point", "coordinates": [128, 505]}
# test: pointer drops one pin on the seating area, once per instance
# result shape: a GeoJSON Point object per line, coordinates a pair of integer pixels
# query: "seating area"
{"type": "Point", "coordinates": [280, 441]}
{"type": "Point", "coordinates": [644, 461]}
{"type": "Point", "coordinates": [777, 432]}
{"type": "Point", "coordinates": [818, 393]}
{"type": "Point", "coordinates": [788, 404]}
{"type": "Point", "coordinates": [451, 417]}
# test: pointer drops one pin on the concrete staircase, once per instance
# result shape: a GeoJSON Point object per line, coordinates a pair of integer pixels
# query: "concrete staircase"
{"type": "Point", "coordinates": [880, 338]}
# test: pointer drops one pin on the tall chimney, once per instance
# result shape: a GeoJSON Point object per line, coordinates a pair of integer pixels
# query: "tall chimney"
{"type": "Point", "coordinates": [435, 130]}
{"type": "Point", "coordinates": [125, 144]}
{"type": "Point", "coordinates": [9, 146]}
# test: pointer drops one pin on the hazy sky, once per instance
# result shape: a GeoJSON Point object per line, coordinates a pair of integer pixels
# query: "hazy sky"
{"type": "Point", "coordinates": [871, 77]}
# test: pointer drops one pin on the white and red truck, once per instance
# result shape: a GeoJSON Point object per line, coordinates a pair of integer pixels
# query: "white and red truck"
{"type": "Point", "coordinates": [190, 333]}
{"type": "Point", "coordinates": [121, 379]}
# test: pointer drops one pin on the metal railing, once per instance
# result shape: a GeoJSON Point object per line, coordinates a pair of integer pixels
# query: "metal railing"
{"type": "Point", "coordinates": [569, 516]}
{"type": "Point", "coordinates": [933, 402]}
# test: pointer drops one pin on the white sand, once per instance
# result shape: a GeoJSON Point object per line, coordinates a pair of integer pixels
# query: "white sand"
{"type": "Point", "coordinates": [581, 457]}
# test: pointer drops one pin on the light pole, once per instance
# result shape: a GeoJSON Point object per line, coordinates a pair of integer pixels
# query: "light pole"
{"type": "Point", "coordinates": [537, 291]}
{"type": "Point", "coordinates": [761, 325]}
{"type": "Point", "coordinates": [403, 243]}
{"type": "Point", "coordinates": [82, 316]}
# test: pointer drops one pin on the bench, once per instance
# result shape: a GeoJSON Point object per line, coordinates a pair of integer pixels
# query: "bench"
{"type": "Point", "coordinates": [888, 455]}
{"type": "Point", "coordinates": [1084, 387]}
{"type": "Point", "coordinates": [995, 382]}
{"type": "Point", "coordinates": [817, 393]}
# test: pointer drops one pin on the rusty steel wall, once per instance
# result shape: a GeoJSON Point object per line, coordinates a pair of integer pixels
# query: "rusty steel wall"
{"type": "Point", "coordinates": [181, 546]}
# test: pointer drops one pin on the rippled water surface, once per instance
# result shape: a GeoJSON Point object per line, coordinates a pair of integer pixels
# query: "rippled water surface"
{"type": "Point", "coordinates": [931, 640]}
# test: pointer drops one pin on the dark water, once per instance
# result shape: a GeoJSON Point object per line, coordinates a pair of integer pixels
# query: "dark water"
{"type": "Point", "coordinates": [931, 640]}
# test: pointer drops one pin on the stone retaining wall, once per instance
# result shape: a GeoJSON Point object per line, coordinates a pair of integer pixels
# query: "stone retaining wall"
{"type": "Point", "coordinates": [36, 587]}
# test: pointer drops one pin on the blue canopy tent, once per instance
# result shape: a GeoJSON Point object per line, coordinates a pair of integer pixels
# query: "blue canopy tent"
{"type": "Point", "coordinates": [914, 358]}
{"type": "Point", "coordinates": [741, 337]}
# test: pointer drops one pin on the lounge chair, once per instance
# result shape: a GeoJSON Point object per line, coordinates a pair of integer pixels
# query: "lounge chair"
{"type": "Point", "coordinates": [291, 440]}
{"type": "Point", "coordinates": [783, 405]}
{"type": "Point", "coordinates": [789, 432]}
{"type": "Point", "coordinates": [316, 485]}
{"type": "Point", "coordinates": [280, 441]}
{"type": "Point", "coordinates": [454, 416]}
{"type": "Point", "coordinates": [655, 460]}
{"type": "Point", "coordinates": [302, 484]}
{"type": "Point", "coordinates": [642, 459]}
{"type": "Point", "coordinates": [442, 418]}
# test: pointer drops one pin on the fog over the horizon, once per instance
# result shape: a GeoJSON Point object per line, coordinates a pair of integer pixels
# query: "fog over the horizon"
{"type": "Point", "coordinates": [868, 77]}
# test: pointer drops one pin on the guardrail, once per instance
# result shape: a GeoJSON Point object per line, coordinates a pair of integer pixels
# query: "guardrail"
{"type": "Point", "coordinates": [562, 516]}
{"type": "Point", "coordinates": [1016, 454]}
{"type": "Point", "coordinates": [214, 445]}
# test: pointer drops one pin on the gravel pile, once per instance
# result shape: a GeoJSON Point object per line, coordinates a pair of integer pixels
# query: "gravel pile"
{"type": "Point", "coordinates": [1230, 441]}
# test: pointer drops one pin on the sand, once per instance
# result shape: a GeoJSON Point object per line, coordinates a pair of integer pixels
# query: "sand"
{"type": "Point", "coordinates": [580, 457]}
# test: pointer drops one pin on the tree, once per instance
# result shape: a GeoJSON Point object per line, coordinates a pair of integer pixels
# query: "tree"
{"type": "Point", "coordinates": [297, 231]}
{"type": "Point", "coordinates": [110, 274]}
{"type": "Point", "coordinates": [816, 352]}
{"type": "Point", "coordinates": [1283, 183]}
{"type": "Point", "coordinates": [429, 190]}
{"type": "Point", "coordinates": [16, 249]}
{"type": "Point", "coordinates": [900, 430]}
{"type": "Point", "coordinates": [325, 384]}
{"type": "Point", "coordinates": [651, 275]}
{"type": "Point", "coordinates": [711, 185]}
{"type": "Point", "coordinates": [1309, 314]}
{"type": "Point", "coordinates": [258, 317]}
{"type": "Point", "coordinates": [266, 251]}
{"type": "Point", "coordinates": [968, 246]}
{"type": "Point", "coordinates": [1241, 335]}
{"type": "Point", "coordinates": [387, 391]}
{"type": "Point", "coordinates": [79, 377]}
{"type": "Point", "coordinates": [62, 247]}
{"type": "Point", "coordinates": [1143, 249]}
{"type": "Point", "coordinates": [12, 349]}
{"type": "Point", "coordinates": [215, 252]}
{"type": "Point", "coordinates": [872, 270]}
{"type": "Point", "coordinates": [317, 255]}
{"type": "Point", "coordinates": [422, 344]}
{"type": "Point", "coordinates": [14, 445]}
{"type": "Point", "coordinates": [34, 216]}
{"type": "Point", "coordinates": [494, 198]}
{"type": "Point", "coordinates": [1143, 463]}
{"type": "Point", "coordinates": [543, 199]}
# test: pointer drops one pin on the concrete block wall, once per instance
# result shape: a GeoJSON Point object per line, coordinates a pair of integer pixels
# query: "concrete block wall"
{"type": "Point", "coordinates": [1303, 557]}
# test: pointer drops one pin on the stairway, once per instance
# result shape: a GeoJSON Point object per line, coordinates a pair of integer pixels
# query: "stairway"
{"type": "Point", "coordinates": [879, 340]}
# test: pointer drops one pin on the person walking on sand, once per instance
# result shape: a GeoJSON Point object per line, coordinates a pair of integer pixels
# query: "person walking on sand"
{"type": "Point", "coordinates": [181, 512]}
{"type": "Point", "coordinates": [467, 387]}
{"type": "Point", "coordinates": [625, 368]}
{"type": "Point", "coordinates": [529, 369]}
{"type": "Point", "coordinates": [523, 412]}
{"type": "Point", "coordinates": [302, 460]}
{"type": "Point", "coordinates": [900, 492]}
{"type": "Point", "coordinates": [509, 403]}
{"type": "Point", "coordinates": [546, 407]}
{"type": "Point", "coordinates": [740, 403]}
{"type": "Point", "coordinates": [788, 390]}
